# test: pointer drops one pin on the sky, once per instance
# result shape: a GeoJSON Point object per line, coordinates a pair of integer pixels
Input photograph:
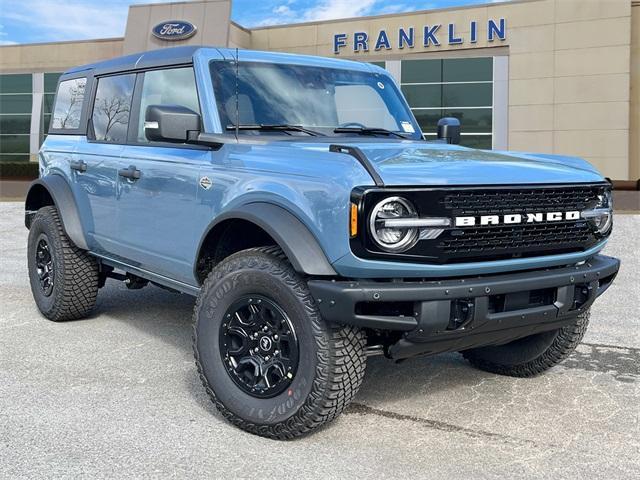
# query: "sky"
{"type": "Point", "coordinates": [31, 21]}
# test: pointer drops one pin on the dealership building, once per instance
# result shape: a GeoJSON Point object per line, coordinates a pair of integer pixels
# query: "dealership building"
{"type": "Point", "coordinates": [552, 76]}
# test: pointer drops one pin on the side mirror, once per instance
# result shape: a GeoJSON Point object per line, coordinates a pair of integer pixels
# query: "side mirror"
{"type": "Point", "coordinates": [171, 123]}
{"type": "Point", "coordinates": [449, 130]}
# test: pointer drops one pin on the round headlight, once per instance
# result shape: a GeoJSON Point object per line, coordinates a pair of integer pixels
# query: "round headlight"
{"type": "Point", "coordinates": [602, 221]}
{"type": "Point", "coordinates": [605, 200]}
{"type": "Point", "coordinates": [601, 217]}
{"type": "Point", "coordinates": [389, 237]}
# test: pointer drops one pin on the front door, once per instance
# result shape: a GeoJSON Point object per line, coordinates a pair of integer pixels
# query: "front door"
{"type": "Point", "coordinates": [159, 215]}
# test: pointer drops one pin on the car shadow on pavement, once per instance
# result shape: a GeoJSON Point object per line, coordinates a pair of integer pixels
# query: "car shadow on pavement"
{"type": "Point", "coordinates": [167, 316]}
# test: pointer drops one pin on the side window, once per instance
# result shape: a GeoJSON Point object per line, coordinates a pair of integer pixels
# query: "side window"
{"type": "Point", "coordinates": [175, 86]}
{"type": "Point", "coordinates": [68, 108]}
{"type": "Point", "coordinates": [112, 107]}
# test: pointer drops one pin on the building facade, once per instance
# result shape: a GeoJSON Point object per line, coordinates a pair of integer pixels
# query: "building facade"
{"type": "Point", "coordinates": [551, 76]}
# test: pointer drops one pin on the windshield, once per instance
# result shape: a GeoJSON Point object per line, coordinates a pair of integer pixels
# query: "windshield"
{"type": "Point", "coordinates": [315, 98]}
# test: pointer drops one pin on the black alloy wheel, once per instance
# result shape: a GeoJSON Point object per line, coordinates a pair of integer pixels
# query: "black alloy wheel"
{"type": "Point", "coordinates": [259, 346]}
{"type": "Point", "coordinates": [44, 265]}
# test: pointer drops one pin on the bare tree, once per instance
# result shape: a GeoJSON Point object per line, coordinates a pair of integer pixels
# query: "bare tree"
{"type": "Point", "coordinates": [71, 116]}
{"type": "Point", "coordinates": [116, 112]}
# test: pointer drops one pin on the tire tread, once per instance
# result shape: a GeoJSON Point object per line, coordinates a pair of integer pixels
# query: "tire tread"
{"type": "Point", "coordinates": [341, 353]}
{"type": "Point", "coordinates": [77, 293]}
{"type": "Point", "coordinates": [565, 342]}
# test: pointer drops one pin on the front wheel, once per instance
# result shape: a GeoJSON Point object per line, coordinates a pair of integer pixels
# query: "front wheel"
{"type": "Point", "coordinates": [530, 356]}
{"type": "Point", "coordinates": [268, 361]}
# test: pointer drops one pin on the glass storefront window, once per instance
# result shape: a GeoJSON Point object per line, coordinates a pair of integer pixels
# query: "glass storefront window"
{"type": "Point", "coordinates": [14, 124]}
{"type": "Point", "coordinates": [47, 100]}
{"type": "Point", "coordinates": [456, 87]}
{"type": "Point", "coordinates": [15, 83]}
{"type": "Point", "coordinates": [421, 71]}
{"type": "Point", "coordinates": [15, 116]}
{"type": "Point", "coordinates": [14, 144]}
{"type": "Point", "coordinates": [15, 104]}
{"type": "Point", "coordinates": [423, 96]}
{"type": "Point", "coordinates": [46, 123]}
{"type": "Point", "coordinates": [467, 95]}
{"type": "Point", "coordinates": [51, 82]}
{"type": "Point", "coordinates": [467, 70]}
{"type": "Point", "coordinates": [476, 120]}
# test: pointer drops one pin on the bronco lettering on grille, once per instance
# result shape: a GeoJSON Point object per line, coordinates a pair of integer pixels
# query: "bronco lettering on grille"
{"type": "Point", "coordinates": [516, 218]}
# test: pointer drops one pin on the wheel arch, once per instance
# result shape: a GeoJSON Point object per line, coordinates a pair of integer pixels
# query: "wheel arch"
{"type": "Point", "coordinates": [267, 224]}
{"type": "Point", "coordinates": [54, 190]}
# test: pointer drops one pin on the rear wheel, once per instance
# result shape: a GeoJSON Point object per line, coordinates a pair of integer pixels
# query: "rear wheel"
{"type": "Point", "coordinates": [268, 361]}
{"type": "Point", "coordinates": [530, 356]}
{"type": "Point", "coordinates": [63, 278]}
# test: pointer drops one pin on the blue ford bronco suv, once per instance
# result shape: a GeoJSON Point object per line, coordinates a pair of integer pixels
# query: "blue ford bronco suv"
{"type": "Point", "coordinates": [297, 199]}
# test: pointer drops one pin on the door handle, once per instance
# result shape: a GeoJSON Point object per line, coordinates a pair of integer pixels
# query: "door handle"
{"type": "Point", "coordinates": [131, 173]}
{"type": "Point", "coordinates": [78, 165]}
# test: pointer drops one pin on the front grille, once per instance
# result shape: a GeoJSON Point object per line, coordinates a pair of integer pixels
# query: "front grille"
{"type": "Point", "coordinates": [526, 240]}
{"type": "Point", "coordinates": [520, 200]}
{"type": "Point", "coordinates": [491, 242]}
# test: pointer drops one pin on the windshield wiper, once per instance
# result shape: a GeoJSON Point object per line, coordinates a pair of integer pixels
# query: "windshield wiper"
{"type": "Point", "coordinates": [368, 131]}
{"type": "Point", "coordinates": [276, 128]}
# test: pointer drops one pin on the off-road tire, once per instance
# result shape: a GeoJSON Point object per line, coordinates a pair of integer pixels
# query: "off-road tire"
{"type": "Point", "coordinates": [533, 355]}
{"type": "Point", "coordinates": [332, 358]}
{"type": "Point", "coordinates": [75, 272]}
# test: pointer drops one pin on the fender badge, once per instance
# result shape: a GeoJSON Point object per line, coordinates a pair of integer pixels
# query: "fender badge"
{"type": "Point", "coordinates": [206, 183]}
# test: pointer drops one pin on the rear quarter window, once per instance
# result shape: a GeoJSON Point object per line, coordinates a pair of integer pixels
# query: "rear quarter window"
{"type": "Point", "coordinates": [68, 108]}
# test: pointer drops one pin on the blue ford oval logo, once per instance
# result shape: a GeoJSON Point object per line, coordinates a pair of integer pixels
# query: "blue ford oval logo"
{"type": "Point", "coordinates": [174, 30]}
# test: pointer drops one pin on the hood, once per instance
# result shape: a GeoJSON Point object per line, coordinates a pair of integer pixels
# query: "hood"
{"type": "Point", "coordinates": [419, 163]}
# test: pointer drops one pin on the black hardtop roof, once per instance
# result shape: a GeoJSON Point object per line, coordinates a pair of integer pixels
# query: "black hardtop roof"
{"type": "Point", "coordinates": [151, 59]}
{"type": "Point", "coordinates": [184, 55]}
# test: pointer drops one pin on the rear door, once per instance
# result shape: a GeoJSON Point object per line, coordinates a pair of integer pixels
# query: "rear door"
{"type": "Point", "coordinates": [159, 215]}
{"type": "Point", "coordinates": [97, 157]}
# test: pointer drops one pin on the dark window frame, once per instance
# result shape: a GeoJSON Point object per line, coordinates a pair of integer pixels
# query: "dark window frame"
{"type": "Point", "coordinates": [135, 108]}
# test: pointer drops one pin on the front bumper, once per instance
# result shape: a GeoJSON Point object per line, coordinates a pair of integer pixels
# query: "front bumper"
{"type": "Point", "coordinates": [450, 315]}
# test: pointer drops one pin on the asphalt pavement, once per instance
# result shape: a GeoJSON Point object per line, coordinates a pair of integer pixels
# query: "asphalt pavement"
{"type": "Point", "coordinates": [117, 396]}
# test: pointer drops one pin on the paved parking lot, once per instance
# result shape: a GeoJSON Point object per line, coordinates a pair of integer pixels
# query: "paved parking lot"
{"type": "Point", "coordinates": [117, 396]}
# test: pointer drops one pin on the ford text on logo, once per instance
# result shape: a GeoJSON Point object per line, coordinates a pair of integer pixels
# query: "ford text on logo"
{"type": "Point", "coordinates": [430, 35]}
{"type": "Point", "coordinates": [174, 30]}
{"type": "Point", "coordinates": [515, 218]}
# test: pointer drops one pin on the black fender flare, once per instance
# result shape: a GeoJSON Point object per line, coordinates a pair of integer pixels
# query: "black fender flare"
{"type": "Point", "coordinates": [297, 242]}
{"type": "Point", "coordinates": [60, 192]}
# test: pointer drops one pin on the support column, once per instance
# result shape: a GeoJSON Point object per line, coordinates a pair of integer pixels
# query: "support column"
{"type": "Point", "coordinates": [37, 80]}
{"type": "Point", "coordinates": [500, 129]}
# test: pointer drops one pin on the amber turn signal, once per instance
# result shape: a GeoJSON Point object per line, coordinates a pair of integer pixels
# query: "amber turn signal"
{"type": "Point", "coordinates": [353, 220]}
